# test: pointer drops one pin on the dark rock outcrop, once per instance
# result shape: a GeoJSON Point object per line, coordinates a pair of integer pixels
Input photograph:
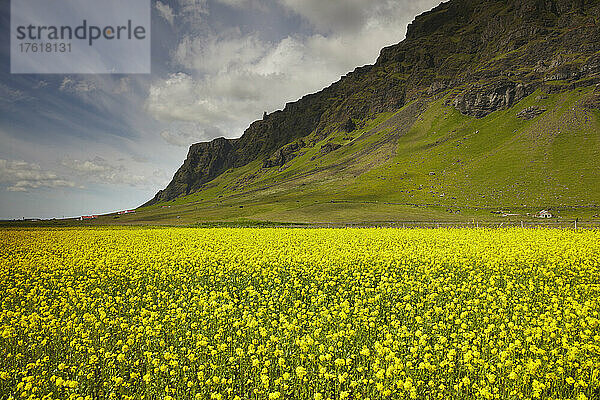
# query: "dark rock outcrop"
{"type": "Point", "coordinates": [329, 147]}
{"type": "Point", "coordinates": [481, 100]}
{"type": "Point", "coordinates": [204, 162]}
{"type": "Point", "coordinates": [326, 149]}
{"type": "Point", "coordinates": [531, 112]}
{"type": "Point", "coordinates": [593, 101]}
{"type": "Point", "coordinates": [283, 155]}
{"type": "Point", "coordinates": [349, 126]}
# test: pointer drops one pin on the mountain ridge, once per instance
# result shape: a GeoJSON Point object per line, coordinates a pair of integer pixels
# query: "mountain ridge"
{"type": "Point", "coordinates": [479, 57]}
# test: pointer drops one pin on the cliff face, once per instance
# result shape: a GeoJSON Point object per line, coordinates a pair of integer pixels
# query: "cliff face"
{"type": "Point", "coordinates": [484, 55]}
{"type": "Point", "coordinates": [204, 162]}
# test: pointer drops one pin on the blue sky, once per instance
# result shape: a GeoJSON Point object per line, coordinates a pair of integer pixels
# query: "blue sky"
{"type": "Point", "coordinates": [81, 144]}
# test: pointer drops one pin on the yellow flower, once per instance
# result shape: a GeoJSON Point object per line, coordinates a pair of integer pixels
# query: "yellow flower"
{"type": "Point", "coordinates": [300, 372]}
{"type": "Point", "coordinates": [374, 311]}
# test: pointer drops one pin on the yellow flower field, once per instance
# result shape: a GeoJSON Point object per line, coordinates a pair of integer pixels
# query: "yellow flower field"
{"type": "Point", "coordinates": [299, 314]}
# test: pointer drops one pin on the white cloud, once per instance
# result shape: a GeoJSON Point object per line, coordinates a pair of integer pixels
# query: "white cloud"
{"type": "Point", "coordinates": [193, 6]}
{"type": "Point", "coordinates": [11, 95]}
{"type": "Point", "coordinates": [178, 99]}
{"type": "Point", "coordinates": [21, 176]}
{"type": "Point", "coordinates": [256, 4]}
{"type": "Point", "coordinates": [183, 15]}
{"type": "Point", "coordinates": [219, 53]}
{"type": "Point", "coordinates": [233, 76]}
{"type": "Point", "coordinates": [353, 16]}
{"type": "Point", "coordinates": [165, 11]}
{"type": "Point", "coordinates": [239, 78]}
{"type": "Point", "coordinates": [71, 85]}
{"type": "Point", "coordinates": [40, 85]}
{"type": "Point", "coordinates": [25, 186]}
{"type": "Point", "coordinates": [122, 86]}
{"type": "Point", "coordinates": [100, 171]}
{"type": "Point", "coordinates": [191, 12]}
{"type": "Point", "coordinates": [332, 15]}
{"type": "Point", "coordinates": [183, 135]}
{"type": "Point", "coordinates": [98, 165]}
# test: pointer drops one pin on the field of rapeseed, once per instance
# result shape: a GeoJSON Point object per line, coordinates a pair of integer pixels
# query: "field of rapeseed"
{"type": "Point", "coordinates": [299, 314]}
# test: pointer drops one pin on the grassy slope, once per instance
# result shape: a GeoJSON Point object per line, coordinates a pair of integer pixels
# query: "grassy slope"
{"type": "Point", "coordinates": [440, 166]}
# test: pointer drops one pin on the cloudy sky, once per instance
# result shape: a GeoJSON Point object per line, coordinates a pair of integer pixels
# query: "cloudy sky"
{"type": "Point", "coordinates": [80, 144]}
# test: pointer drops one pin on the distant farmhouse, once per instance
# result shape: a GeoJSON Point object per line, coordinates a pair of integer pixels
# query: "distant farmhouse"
{"type": "Point", "coordinates": [543, 214]}
{"type": "Point", "coordinates": [86, 217]}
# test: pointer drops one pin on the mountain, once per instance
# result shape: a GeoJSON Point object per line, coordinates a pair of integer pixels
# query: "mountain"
{"type": "Point", "coordinates": [485, 104]}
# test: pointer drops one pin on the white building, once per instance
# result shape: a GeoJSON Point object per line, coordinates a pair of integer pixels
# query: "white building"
{"type": "Point", "coordinates": [544, 214]}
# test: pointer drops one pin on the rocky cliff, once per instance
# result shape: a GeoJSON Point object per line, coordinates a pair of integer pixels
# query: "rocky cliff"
{"type": "Point", "coordinates": [482, 56]}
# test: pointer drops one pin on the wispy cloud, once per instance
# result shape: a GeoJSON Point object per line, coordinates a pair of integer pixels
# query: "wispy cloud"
{"type": "Point", "coordinates": [185, 134]}
{"type": "Point", "coordinates": [11, 95]}
{"type": "Point", "coordinates": [100, 171]}
{"type": "Point", "coordinates": [21, 176]}
{"type": "Point", "coordinates": [71, 85]}
{"type": "Point", "coordinates": [165, 11]}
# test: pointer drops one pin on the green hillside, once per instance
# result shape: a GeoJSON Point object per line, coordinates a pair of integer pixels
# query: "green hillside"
{"type": "Point", "coordinates": [485, 111]}
{"type": "Point", "coordinates": [435, 164]}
